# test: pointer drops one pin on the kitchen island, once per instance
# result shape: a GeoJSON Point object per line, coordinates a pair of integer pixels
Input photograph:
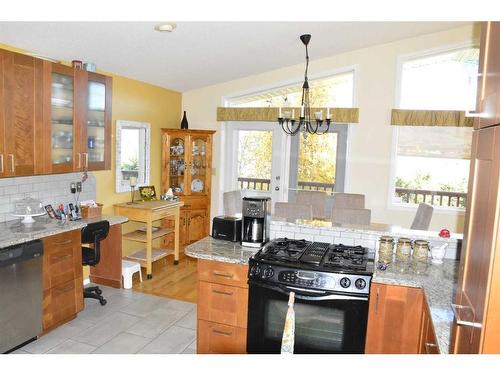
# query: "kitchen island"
{"type": "Point", "coordinates": [437, 282]}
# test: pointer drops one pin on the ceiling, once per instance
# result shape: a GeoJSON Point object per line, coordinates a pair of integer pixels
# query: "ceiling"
{"type": "Point", "coordinates": [199, 54]}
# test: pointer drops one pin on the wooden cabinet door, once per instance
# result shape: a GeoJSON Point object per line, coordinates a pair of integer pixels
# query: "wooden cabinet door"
{"type": "Point", "coordinates": [214, 338]}
{"type": "Point", "coordinates": [480, 244]}
{"type": "Point", "coordinates": [23, 113]}
{"type": "Point", "coordinates": [197, 225]}
{"type": "Point", "coordinates": [488, 101]}
{"type": "Point", "coordinates": [95, 134]}
{"type": "Point", "coordinates": [393, 320]}
{"type": "Point", "coordinates": [428, 341]}
{"type": "Point", "coordinates": [2, 119]}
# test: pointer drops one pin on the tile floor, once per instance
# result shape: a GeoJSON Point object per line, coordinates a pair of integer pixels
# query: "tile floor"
{"type": "Point", "coordinates": [131, 322]}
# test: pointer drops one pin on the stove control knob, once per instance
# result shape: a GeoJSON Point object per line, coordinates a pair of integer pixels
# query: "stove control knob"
{"type": "Point", "coordinates": [255, 271]}
{"type": "Point", "coordinates": [268, 273]}
{"type": "Point", "coordinates": [345, 282]}
{"type": "Point", "coordinates": [360, 283]}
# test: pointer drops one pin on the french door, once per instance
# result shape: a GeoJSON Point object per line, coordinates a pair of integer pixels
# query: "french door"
{"type": "Point", "coordinates": [263, 161]}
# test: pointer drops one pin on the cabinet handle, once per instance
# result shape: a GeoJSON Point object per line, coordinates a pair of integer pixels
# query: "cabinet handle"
{"type": "Point", "coordinates": [221, 292]}
{"type": "Point", "coordinates": [429, 346]}
{"type": "Point", "coordinates": [461, 322]}
{"type": "Point", "coordinates": [376, 301]}
{"type": "Point", "coordinates": [86, 154]}
{"type": "Point", "coordinates": [12, 167]}
{"type": "Point", "coordinates": [1, 163]}
{"type": "Point", "coordinates": [61, 257]}
{"type": "Point", "coordinates": [222, 332]}
{"type": "Point", "coordinates": [79, 161]}
{"type": "Point", "coordinates": [65, 242]}
{"type": "Point", "coordinates": [222, 274]}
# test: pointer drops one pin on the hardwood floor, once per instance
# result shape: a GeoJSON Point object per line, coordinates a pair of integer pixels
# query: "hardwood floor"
{"type": "Point", "coordinates": [177, 282]}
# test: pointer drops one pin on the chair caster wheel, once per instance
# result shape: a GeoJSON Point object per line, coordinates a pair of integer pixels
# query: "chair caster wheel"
{"type": "Point", "coordinates": [99, 292]}
{"type": "Point", "coordinates": [103, 301]}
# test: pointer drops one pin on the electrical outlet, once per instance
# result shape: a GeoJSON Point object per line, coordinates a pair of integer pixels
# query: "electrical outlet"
{"type": "Point", "coordinates": [72, 188]}
{"type": "Point", "coordinates": [79, 186]}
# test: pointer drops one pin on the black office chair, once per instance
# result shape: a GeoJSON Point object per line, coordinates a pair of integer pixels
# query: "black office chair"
{"type": "Point", "coordinates": [92, 235]}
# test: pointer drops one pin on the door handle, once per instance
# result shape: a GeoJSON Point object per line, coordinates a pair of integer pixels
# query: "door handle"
{"type": "Point", "coordinates": [460, 322]}
{"type": "Point", "coordinates": [277, 188]}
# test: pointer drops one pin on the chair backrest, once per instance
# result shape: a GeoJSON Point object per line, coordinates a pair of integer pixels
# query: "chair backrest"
{"type": "Point", "coordinates": [93, 234]}
{"type": "Point", "coordinates": [316, 199]}
{"type": "Point", "coordinates": [293, 211]}
{"type": "Point", "coordinates": [348, 200]}
{"type": "Point", "coordinates": [233, 203]}
{"type": "Point", "coordinates": [358, 216]}
{"type": "Point", "coordinates": [423, 217]}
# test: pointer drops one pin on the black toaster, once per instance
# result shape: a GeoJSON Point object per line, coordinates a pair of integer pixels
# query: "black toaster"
{"type": "Point", "coordinates": [227, 228]}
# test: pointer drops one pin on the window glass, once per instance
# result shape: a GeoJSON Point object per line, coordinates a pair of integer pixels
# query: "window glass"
{"type": "Point", "coordinates": [255, 149]}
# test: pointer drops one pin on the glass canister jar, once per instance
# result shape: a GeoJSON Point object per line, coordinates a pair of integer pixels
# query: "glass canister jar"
{"type": "Point", "coordinates": [420, 251]}
{"type": "Point", "coordinates": [386, 249]}
{"type": "Point", "coordinates": [403, 250]}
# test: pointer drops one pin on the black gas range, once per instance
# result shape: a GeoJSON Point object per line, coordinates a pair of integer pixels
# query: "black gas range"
{"type": "Point", "coordinates": [331, 283]}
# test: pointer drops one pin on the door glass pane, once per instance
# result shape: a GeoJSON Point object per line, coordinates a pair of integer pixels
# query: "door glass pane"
{"type": "Point", "coordinates": [62, 118]}
{"type": "Point", "coordinates": [177, 163]}
{"type": "Point", "coordinates": [198, 170]}
{"type": "Point", "coordinates": [316, 162]}
{"type": "Point", "coordinates": [96, 121]}
{"type": "Point", "coordinates": [255, 149]}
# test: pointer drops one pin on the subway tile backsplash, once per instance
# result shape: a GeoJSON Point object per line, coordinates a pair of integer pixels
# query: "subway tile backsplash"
{"type": "Point", "coordinates": [50, 189]}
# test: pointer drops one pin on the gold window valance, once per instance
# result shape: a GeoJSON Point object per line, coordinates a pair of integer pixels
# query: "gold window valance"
{"type": "Point", "coordinates": [270, 114]}
{"type": "Point", "coordinates": [409, 117]}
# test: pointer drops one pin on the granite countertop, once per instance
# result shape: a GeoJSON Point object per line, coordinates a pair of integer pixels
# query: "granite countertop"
{"type": "Point", "coordinates": [373, 228]}
{"type": "Point", "coordinates": [14, 233]}
{"type": "Point", "coordinates": [209, 248]}
{"type": "Point", "coordinates": [438, 283]}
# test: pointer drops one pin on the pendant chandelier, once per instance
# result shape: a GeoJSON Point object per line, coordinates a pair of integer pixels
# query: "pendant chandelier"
{"type": "Point", "coordinates": [286, 118]}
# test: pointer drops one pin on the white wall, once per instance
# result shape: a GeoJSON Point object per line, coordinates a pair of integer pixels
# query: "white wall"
{"type": "Point", "coordinates": [370, 140]}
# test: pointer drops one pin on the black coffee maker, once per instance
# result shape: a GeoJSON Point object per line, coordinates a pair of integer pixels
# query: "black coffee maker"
{"type": "Point", "coordinates": [256, 214]}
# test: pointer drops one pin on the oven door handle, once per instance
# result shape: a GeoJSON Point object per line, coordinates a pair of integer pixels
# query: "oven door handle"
{"type": "Point", "coordinates": [310, 295]}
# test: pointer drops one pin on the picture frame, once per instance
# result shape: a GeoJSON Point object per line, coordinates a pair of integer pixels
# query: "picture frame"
{"type": "Point", "coordinates": [147, 193]}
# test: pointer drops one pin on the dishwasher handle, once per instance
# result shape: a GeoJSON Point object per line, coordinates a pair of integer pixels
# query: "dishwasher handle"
{"type": "Point", "coordinates": [20, 253]}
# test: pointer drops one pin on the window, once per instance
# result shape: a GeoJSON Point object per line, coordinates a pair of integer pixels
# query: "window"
{"type": "Point", "coordinates": [314, 162]}
{"type": "Point", "coordinates": [432, 163]}
{"type": "Point", "coordinates": [132, 154]}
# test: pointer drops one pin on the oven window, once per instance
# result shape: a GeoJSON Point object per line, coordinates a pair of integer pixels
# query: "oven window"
{"type": "Point", "coordinates": [316, 327]}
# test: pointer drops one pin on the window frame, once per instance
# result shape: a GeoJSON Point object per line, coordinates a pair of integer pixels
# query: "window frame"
{"type": "Point", "coordinates": [120, 185]}
{"type": "Point", "coordinates": [401, 59]}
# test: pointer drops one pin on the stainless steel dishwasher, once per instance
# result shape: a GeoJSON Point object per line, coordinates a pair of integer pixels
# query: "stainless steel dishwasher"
{"type": "Point", "coordinates": [21, 294]}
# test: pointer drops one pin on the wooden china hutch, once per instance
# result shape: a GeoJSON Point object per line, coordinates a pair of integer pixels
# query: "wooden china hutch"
{"type": "Point", "coordinates": [187, 170]}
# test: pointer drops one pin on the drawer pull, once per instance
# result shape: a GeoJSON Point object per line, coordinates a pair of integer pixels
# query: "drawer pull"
{"type": "Point", "coordinates": [221, 292]}
{"type": "Point", "coordinates": [223, 274]}
{"type": "Point", "coordinates": [59, 258]}
{"type": "Point", "coordinates": [216, 331]}
{"type": "Point", "coordinates": [67, 289]}
{"type": "Point", "coordinates": [65, 242]}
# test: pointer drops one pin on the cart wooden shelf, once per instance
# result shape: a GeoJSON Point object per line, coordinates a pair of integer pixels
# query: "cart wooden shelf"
{"type": "Point", "coordinates": [149, 212]}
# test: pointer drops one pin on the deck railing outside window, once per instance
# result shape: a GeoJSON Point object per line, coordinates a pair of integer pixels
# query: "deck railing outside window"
{"type": "Point", "coordinates": [436, 198]}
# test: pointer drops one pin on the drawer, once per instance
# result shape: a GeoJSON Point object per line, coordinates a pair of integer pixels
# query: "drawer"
{"type": "Point", "coordinates": [223, 273]}
{"type": "Point", "coordinates": [62, 260]}
{"type": "Point", "coordinates": [222, 304]}
{"type": "Point", "coordinates": [216, 338]}
{"type": "Point", "coordinates": [61, 303]}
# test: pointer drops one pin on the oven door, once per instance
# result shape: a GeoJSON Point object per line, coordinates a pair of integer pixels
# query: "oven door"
{"type": "Point", "coordinates": [324, 322]}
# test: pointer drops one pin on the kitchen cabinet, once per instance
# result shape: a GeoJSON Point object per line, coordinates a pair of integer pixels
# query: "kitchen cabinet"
{"type": "Point", "coordinates": [62, 279]}
{"type": "Point", "coordinates": [222, 307]}
{"type": "Point", "coordinates": [394, 320]}
{"type": "Point", "coordinates": [187, 169]}
{"type": "Point", "coordinates": [21, 123]}
{"type": "Point", "coordinates": [54, 118]}
{"type": "Point", "coordinates": [488, 93]}
{"type": "Point", "coordinates": [428, 341]}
